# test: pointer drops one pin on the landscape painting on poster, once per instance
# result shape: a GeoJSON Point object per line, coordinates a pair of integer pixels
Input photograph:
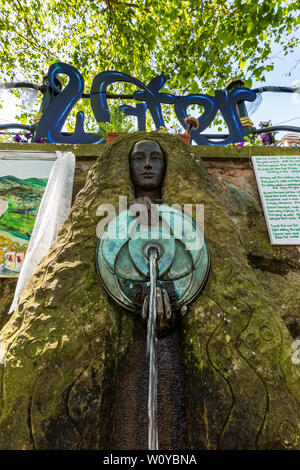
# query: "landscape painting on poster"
{"type": "Point", "coordinates": [23, 180]}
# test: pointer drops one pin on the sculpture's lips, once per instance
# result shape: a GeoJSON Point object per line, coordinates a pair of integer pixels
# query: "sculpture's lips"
{"type": "Point", "coordinates": [147, 175]}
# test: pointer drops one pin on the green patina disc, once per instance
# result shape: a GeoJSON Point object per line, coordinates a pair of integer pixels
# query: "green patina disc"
{"type": "Point", "coordinates": [183, 257]}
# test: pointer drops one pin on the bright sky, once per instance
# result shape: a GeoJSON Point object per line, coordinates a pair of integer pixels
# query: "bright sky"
{"type": "Point", "coordinates": [278, 107]}
{"type": "Point", "coordinates": [281, 107]}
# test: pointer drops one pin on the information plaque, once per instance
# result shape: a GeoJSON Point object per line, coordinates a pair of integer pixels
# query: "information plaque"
{"type": "Point", "coordinates": [278, 180]}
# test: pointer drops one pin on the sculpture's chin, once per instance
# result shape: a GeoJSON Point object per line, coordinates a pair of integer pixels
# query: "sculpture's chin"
{"type": "Point", "coordinates": [149, 185]}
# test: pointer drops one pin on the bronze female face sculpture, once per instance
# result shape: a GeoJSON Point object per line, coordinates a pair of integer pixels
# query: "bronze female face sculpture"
{"type": "Point", "coordinates": [147, 167]}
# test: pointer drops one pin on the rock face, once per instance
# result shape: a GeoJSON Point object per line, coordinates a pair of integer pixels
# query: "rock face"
{"type": "Point", "coordinates": [67, 342]}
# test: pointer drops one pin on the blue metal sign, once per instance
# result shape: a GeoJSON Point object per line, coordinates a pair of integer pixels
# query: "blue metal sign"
{"type": "Point", "coordinates": [229, 102]}
{"type": "Point", "coordinates": [57, 105]}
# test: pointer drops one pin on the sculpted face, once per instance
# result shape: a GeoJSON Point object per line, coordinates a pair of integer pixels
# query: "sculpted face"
{"type": "Point", "coordinates": [147, 165]}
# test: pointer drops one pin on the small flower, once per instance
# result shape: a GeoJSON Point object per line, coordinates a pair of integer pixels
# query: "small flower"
{"type": "Point", "coordinates": [240, 144]}
{"type": "Point", "coordinates": [41, 140]}
{"type": "Point", "coordinates": [18, 138]}
{"type": "Point", "coordinates": [27, 136]}
{"type": "Point", "coordinates": [264, 138]}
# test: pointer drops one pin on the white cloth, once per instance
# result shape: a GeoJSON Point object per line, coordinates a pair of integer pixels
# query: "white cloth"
{"type": "Point", "coordinates": [53, 211]}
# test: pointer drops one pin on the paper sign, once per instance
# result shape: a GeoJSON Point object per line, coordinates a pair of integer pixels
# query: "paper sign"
{"type": "Point", "coordinates": [278, 180]}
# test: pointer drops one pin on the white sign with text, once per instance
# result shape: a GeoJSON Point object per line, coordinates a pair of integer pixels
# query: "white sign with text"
{"type": "Point", "coordinates": [278, 181]}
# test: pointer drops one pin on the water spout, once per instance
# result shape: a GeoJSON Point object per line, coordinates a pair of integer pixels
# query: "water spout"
{"type": "Point", "coordinates": [151, 354]}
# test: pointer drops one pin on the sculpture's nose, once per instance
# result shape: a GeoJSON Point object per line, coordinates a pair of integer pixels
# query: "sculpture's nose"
{"type": "Point", "coordinates": [148, 162]}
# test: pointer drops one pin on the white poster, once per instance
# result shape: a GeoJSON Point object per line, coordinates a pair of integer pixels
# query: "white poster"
{"type": "Point", "coordinates": [278, 181]}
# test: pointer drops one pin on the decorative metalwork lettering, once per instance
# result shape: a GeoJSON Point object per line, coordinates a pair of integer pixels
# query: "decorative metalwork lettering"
{"type": "Point", "coordinates": [57, 104]}
{"type": "Point", "coordinates": [56, 113]}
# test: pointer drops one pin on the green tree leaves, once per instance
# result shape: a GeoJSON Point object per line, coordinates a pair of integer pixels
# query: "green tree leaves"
{"type": "Point", "coordinates": [199, 44]}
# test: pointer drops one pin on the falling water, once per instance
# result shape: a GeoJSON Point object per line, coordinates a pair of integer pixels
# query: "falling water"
{"type": "Point", "coordinates": [151, 354]}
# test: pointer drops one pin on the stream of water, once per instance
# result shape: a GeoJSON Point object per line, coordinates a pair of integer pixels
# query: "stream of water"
{"type": "Point", "coordinates": [151, 354]}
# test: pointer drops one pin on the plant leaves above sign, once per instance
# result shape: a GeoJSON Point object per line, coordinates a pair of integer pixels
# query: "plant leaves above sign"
{"type": "Point", "coordinates": [198, 44]}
